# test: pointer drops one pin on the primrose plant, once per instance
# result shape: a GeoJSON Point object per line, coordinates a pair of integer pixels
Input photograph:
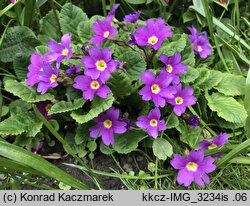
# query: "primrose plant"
{"type": "Point", "coordinates": [156, 84]}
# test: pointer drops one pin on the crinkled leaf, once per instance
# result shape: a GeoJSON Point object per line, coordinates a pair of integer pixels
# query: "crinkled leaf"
{"type": "Point", "coordinates": [135, 64]}
{"type": "Point", "coordinates": [63, 106]}
{"type": "Point", "coordinates": [174, 44]}
{"type": "Point", "coordinates": [19, 40]}
{"type": "Point", "coordinates": [49, 28]}
{"type": "Point", "coordinates": [27, 94]}
{"type": "Point", "coordinates": [120, 84]}
{"type": "Point", "coordinates": [85, 31]}
{"type": "Point", "coordinates": [106, 149]}
{"type": "Point", "coordinates": [20, 123]}
{"type": "Point", "coordinates": [19, 106]}
{"type": "Point", "coordinates": [162, 148]}
{"type": "Point", "coordinates": [227, 108]}
{"type": "Point", "coordinates": [191, 75]}
{"type": "Point", "coordinates": [208, 78]}
{"type": "Point", "coordinates": [20, 65]}
{"type": "Point", "coordinates": [128, 142]}
{"type": "Point", "coordinates": [42, 49]}
{"type": "Point", "coordinates": [190, 136]}
{"type": "Point", "coordinates": [98, 106]}
{"type": "Point", "coordinates": [70, 18]}
{"type": "Point", "coordinates": [172, 122]}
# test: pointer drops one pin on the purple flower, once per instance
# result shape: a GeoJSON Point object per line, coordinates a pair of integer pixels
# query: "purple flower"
{"type": "Point", "coordinates": [193, 121]}
{"type": "Point", "coordinates": [128, 122]}
{"type": "Point", "coordinates": [132, 18]}
{"type": "Point", "coordinates": [156, 88]}
{"type": "Point", "coordinates": [153, 34]}
{"type": "Point", "coordinates": [173, 66]}
{"type": "Point", "coordinates": [195, 167]}
{"type": "Point", "coordinates": [182, 99]}
{"type": "Point", "coordinates": [217, 141]}
{"type": "Point", "coordinates": [34, 68]}
{"type": "Point", "coordinates": [73, 70]}
{"type": "Point", "coordinates": [43, 108]}
{"type": "Point", "coordinates": [132, 41]}
{"type": "Point", "coordinates": [83, 48]}
{"type": "Point", "coordinates": [91, 87]}
{"type": "Point", "coordinates": [58, 52]}
{"type": "Point", "coordinates": [47, 78]}
{"type": "Point", "coordinates": [152, 122]}
{"type": "Point", "coordinates": [13, 1]}
{"type": "Point", "coordinates": [103, 29]}
{"type": "Point", "coordinates": [99, 63]}
{"type": "Point", "coordinates": [200, 43]}
{"type": "Point", "coordinates": [107, 125]}
{"type": "Point", "coordinates": [36, 150]}
{"type": "Point", "coordinates": [111, 14]}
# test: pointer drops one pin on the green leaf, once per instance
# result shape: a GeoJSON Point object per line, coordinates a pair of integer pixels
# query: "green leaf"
{"type": "Point", "coordinates": [162, 149]}
{"type": "Point", "coordinates": [99, 105]}
{"type": "Point", "coordinates": [136, 1]}
{"type": "Point", "coordinates": [42, 49]}
{"type": "Point", "coordinates": [37, 163]}
{"type": "Point", "coordinates": [208, 78]}
{"type": "Point", "coordinates": [85, 31]}
{"type": "Point", "coordinates": [174, 44]}
{"type": "Point", "coordinates": [172, 122]}
{"type": "Point", "coordinates": [135, 64]}
{"type": "Point", "coordinates": [227, 108]}
{"type": "Point", "coordinates": [18, 41]}
{"type": "Point", "coordinates": [188, 56]}
{"type": "Point", "coordinates": [247, 105]}
{"type": "Point", "coordinates": [231, 84]}
{"type": "Point", "coordinates": [106, 150]}
{"type": "Point", "coordinates": [190, 136]}
{"type": "Point", "coordinates": [128, 141]}
{"type": "Point", "coordinates": [191, 75]}
{"type": "Point", "coordinates": [63, 106]}
{"type": "Point", "coordinates": [49, 28]}
{"type": "Point", "coordinates": [19, 106]}
{"type": "Point", "coordinates": [70, 18]}
{"type": "Point", "coordinates": [20, 65]}
{"type": "Point", "coordinates": [20, 123]}
{"type": "Point", "coordinates": [27, 94]}
{"type": "Point", "coordinates": [120, 84]}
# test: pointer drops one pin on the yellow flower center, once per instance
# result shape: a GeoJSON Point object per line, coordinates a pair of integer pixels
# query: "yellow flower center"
{"type": "Point", "coordinates": [65, 52]}
{"type": "Point", "coordinates": [212, 146]}
{"type": "Point", "coordinates": [53, 78]}
{"type": "Point", "coordinates": [107, 124]}
{"type": "Point", "coordinates": [94, 85]}
{"type": "Point", "coordinates": [155, 89]}
{"type": "Point", "coordinates": [199, 48]}
{"type": "Point", "coordinates": [101, 65]}
{"type": "Point", "coordinates": [191, 166]}
{"type": "Point", "coordinates": [178, 100]}
{"type": "Point", "coordinates": [152, 40]}
{"type": "Point", "coordinates": [169, 68]}
{"type": "Point", "coordinates": [153, 122]}
{"type": "Point", "coordinates": [106, 34]}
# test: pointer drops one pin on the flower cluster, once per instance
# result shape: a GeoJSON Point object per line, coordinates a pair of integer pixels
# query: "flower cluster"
{"type": "Point", "coordinates": [200, 43]}
{"type": "Point", "coordinates": [98, 66]}
{"type": "Point", "coordinates": [162, 87]}
{"type": "Point", "coordinates": [41, 71]}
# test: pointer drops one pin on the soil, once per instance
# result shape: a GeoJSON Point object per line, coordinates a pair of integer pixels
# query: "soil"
{"type": "Point", "coordinates": [100, 162]}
